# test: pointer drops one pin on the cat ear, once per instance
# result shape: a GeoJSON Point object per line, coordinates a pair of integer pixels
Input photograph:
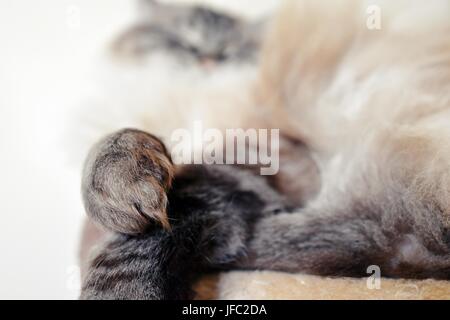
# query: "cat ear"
{"type": "Point", "coordinates": [148, 3]}
{"type": "Point", "coordinates": [147, 8]}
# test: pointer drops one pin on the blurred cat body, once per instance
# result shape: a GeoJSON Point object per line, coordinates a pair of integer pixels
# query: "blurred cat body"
{"type": "Point", "coordinates": [373, 105]}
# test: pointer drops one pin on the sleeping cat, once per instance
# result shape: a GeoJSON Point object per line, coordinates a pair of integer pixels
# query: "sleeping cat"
{"type": "Point", "coordinates": [192, 35]}
{"type": "Point", "coordinates": [165, 73]}
{"type": "Point", "coordinates": [175, 224]}
{"type": "Point", "coordinates": [172, 223]}
{"type": "Point", "coordinates": [168, 69]}
{"type": "Point", "coordinates": [374, 110]}
{"type": "Point", "coordinates": [159, 82]}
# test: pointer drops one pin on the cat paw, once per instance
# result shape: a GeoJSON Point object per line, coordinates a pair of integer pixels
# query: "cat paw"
{"type": "Point", "coordinates": [125, 180]}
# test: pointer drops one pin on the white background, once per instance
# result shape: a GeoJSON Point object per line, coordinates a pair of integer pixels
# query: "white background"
{"type": "Point", "coordinates": [48, 49]}
{"type": "Point", "coordinates": [45, 60]}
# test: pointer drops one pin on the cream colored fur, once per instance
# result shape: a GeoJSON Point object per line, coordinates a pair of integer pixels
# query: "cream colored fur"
{"type": "Point", "coordinates": [374, 104]}
{"type": "Point", "coordinates": [371, 102]}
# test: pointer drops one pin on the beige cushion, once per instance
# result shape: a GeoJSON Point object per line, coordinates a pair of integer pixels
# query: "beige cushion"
{"type": "Point", "coordinates": [242, 285]}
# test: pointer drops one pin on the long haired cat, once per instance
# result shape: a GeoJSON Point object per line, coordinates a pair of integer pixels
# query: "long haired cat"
{"type": "Point", "coordinates": [373, 105]}
{"type": "Point", "coordinates": [170, 67]}
{"type": "Point", "coordinates": [175, 65]}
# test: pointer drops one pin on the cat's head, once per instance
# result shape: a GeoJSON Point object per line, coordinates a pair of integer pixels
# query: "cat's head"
{"type": "Point", "coordinates": [191, 35]}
